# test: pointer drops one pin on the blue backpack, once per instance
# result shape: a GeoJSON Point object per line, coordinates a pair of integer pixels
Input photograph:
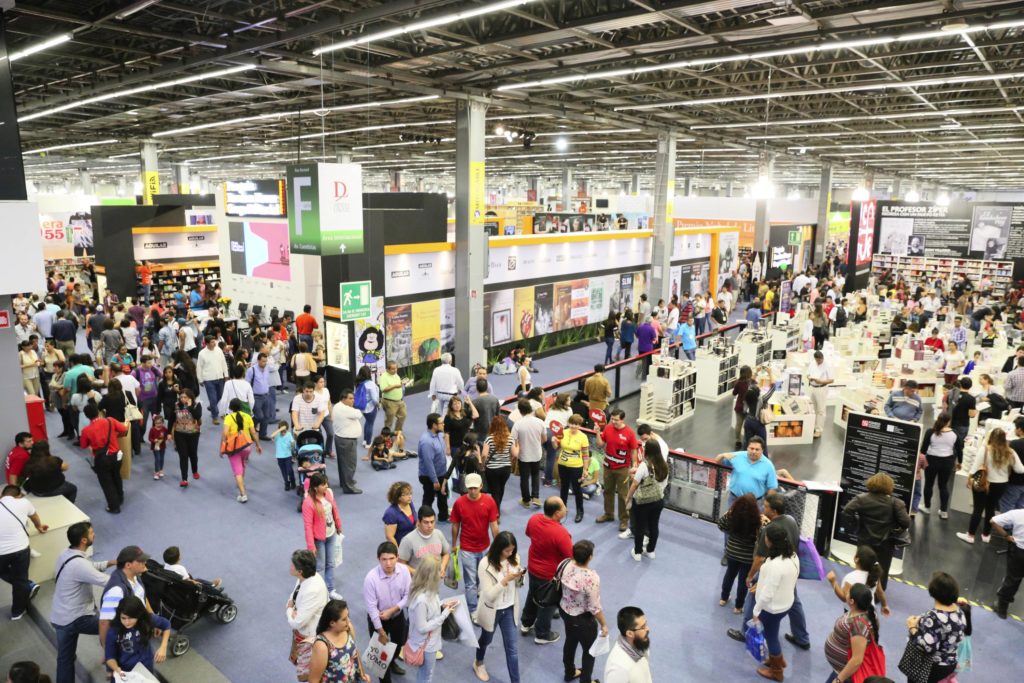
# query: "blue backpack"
{"type": "Point", "coordinates": [360, 397]}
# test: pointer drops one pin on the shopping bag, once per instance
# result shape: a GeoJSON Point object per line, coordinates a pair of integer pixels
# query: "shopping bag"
{"type": "Point", "coordinates": [450, 628]}
{"type": "Point", "coordinates": [378, 656]}
{"type": "Point", "coordinates": [601, 646]}
{"type": "Point", "coordinates": [756, 644]}
{"type": "Point", "coordinates": [452, 575]}
{"type": "Point", "coordinates": [336, 539]}
{"type": "Point", "coordinates": [811, 566]}
{"type": "Point", "coordinates": [964, 655]}
{"type": "Point", "coordinates": [467, 634]}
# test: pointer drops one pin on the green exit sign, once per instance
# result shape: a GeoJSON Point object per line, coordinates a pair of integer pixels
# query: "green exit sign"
{"type": "Point", "coordinates": [355, 301]}
{"type": "Point", "coordinates": [794, 238]}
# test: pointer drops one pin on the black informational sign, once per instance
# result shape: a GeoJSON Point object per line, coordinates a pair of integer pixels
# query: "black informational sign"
{"type": "Point", "coordinates": [940, 318]}
{"type": "Point", "coordinates": [884, 353]}
{"type": "Point", "coordinates": [779, 355]}
{"type": "Point", "coordinates": [875, 444]}
{"type": "Point", "coordinates": [255, 198]}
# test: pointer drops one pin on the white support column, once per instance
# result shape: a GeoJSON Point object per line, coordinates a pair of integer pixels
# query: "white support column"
{"type": "Point", "coordinates": [567, 189]}
{"type": "Point", "coordinates": [181, 178]}
{"type": "Point", "coordinates": [86, 180]}
{"type": "Point", "coordinates": [824, 200]}
{"type": "Point", "coordinates": [149, 171]}
{"type": "Point", "coordinates": [664, 231]}
{"type": "Point", "coordinates": [635, 184]}
{"type": "Point", "coordinates": [470, 238]}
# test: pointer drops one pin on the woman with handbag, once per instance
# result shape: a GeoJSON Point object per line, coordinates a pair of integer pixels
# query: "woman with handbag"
{"type": "Point", "coordinates": [335, 657]}
{"type": "Point", "coordinates": [882, 519]}
{"type": "Point", "coordinates": [647, 491]}
{"type": "Point", "coordinates": [935, 636]}
{"type": "Point", "coordinates": [238, 436]}
{"type": "Point", "coordinates": [426, 616]}
{"type": "Point", "coordinates": [852, 649]}
{"type": "Point", "coordinates": [500, 576]}
{"type": "Point", "coordinates": [581, 611]}
{"type": "Point", "coordinates": [308, 599]}
{"type": "Point", "coordinates": [987, 481]}
{"type": "Point", "coordinates": [322, 525]}
{"type": "Point", "coordinates": [122, 406]}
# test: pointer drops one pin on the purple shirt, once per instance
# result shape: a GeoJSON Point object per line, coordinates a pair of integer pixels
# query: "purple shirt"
{"type": "Point", "coordinates": [645, 336]}
{"type": "Point", "coordinates": [381, 591]}
{"type": "Point", "coordinates": [149, 380]}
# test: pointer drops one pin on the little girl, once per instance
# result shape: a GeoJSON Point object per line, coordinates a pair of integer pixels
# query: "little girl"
{"type": "Point", "coordinates": [284, 450]}
{"type": "Point", "coordinates": [128, 638]}
{"type": "Point", "coordinates": [158, 442]}
{"type": "Point", "coordinates": [380, 457]}
{"type": "Point", "coordinates": [868, 572]}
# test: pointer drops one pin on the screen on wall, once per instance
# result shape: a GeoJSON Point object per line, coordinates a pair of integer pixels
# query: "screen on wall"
{"type": "Point", "coordinates": [260, 249]}
{"type": "Point", "coordinates": [255, 198]}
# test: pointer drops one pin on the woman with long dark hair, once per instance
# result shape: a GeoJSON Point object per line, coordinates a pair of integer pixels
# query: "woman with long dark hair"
{"type": "Point", "coordinates": [647, 497]}
{"type": "Point", "coordinates": [185, 372]}
{"type": "Point", "coordinates": [851, 635]}
{"type": "Point", "coordinates": [497, 459]}
{"type": "Point", "coordinates": [188, 418]}
{"type": "Point", "coordinates": [335, 657]}
{"type": "Point", "coordinates": [500, 575]}
{"type": "Point", "coordinates": [364, 379]}
{"type": "Point", "coordinates": [44, 474]}
{"type": "Point", "coordinates": [775, 594]}
{"type": "Point", "coordinates": [755, 402]}
{"type": "Point", "coordinates": [611, 330]}
{"type": "Point", "coordinates": [739, 390]}
{"type": "Point", "coordinates": [127, 642]}
{"type": "Point", "coordinates": [741, 524]}
{"type": "Point", "coordinates": [238, 437]}
{"type": "Point", "coordinates": [167, 394]}
{"type": "Point", "coordinates": [939, 447]}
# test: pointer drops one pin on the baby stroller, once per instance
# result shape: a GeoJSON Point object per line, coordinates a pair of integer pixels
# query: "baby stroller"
{"type": "Point", "coordinates": [183, 602]}
{"type": "Point", "coordinates": [310, 459]}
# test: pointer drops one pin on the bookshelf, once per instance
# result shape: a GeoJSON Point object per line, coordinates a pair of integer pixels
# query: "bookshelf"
{"type": "Point", "coordinates": [169, 278]}
{"type": "Point", "coordinates": [669, 395]}
{"type": "Point", "coordinates": [924, 270]}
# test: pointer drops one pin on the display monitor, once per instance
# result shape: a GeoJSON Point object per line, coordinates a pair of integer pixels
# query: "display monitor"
{"type": "Point", "coordinates": [255, 198]}
{"type": "Point", "coordinates": [260, 249]}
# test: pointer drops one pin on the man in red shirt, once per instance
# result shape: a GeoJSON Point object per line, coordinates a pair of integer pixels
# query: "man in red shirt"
{"type": "Point", "coordinates": [473, 517]}
{"type": "Point", "coordinates": [550, 543]}
{"type": "Point", "coordinates": [146, 280]}
{"type": "Point", "coordinates": [620, 447]}
{"type": "Point", "coordinates": [305, 323]}
{"type": "Point", "coordinates": [17, 457]}
{"type": "Point", "coordinates": [100, 437]}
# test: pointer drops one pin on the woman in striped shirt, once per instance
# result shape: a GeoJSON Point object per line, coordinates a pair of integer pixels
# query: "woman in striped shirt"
{"type": "Point", "coordinates": [497, 457]}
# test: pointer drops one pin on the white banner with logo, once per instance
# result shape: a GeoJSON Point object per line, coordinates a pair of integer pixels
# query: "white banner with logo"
{"type": "Point", "coordinates": [161, 244]}
{"type": "Point", "coordinates": [341, 208]}
{"type": "Point", "coordinates": [431, 271]}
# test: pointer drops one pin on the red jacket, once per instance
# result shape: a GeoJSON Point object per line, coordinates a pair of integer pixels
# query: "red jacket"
{"type": "Point", "coordinates": [314, 522]}
{"type": "Point", "coordinates": [550, 543]}
{"type": "Point", "coordinates": [103, 431]}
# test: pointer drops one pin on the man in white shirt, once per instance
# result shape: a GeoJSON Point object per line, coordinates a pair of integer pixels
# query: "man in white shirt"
{"type": "Point", "coordinates": [1010, 527]}
{"type": "Point", "coordinates": [930, 302]}
{"type": "Point", "coordinates": [528, 437]}
{"type": "Point", "coordinates": [308, 410]}
{"type": "Point", "coordinates": [799, 282]}
{"type": "Point", "coordinates": [348, 426]}
{"type": "Point", "coordinates": [14, 550]}
{"type": "Point", "coordinates": [187, 337]}
{"type": "Point", "coordinates": [819, 376]}
{"type": "Point", "coordinates": [445, 382]}
{"type": "Point", "coordinates": [628, 661]}
{"type": "Point", "coordinates": [725, 296]}
{"type": "Point", "coordinates": [644, 433]}
{"type": "Point", "coordinates": [212, 371]}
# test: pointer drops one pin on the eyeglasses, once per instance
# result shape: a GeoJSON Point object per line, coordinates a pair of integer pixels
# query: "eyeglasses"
{"type": "Point", "coordinates": [644, 627]}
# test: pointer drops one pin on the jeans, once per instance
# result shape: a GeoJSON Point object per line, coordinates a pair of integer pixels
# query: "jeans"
{"type": "Point", "coordinates": [327, 427]}
{"type": "Point", "coordinates": [426, 670]}
{"type": "Point", "coordinates": [370, 418]}
{"type": "Point", "coordinates": [158, 459]}
{"type": "Point", "coordinates": [645, 523]}
{"type": "Point", "coordinates": [797, 620]}
{"type": "Point", "coordinates": [579, 630]}
{"type": "Point", "coordinates": [609, 344]}
{"type": "Point", "coordinates": [691, 354]}
{"type": "Point", "coordinates": [985, 501]}
{"type": "Point", "coordinates": [214, 390]}
{"type": "Point", "coordinates": [939, 469]}
{"type": "Point", "coordinates": [325, 561]}
{"type": "Point", "coordinates": [1013, 498]}
{"type": "Point", "coordinates": [67, 644]}
{"type": "Point", "coordinates": [538, 617]}
{"type": "Point", "coordinates": [735, 571]}
{"type": "Point", "coordinates": [469, 563]}
{"type": "Point", "coordinates": [571, 476]}
{"type": "Point", "coordinates": [287, 471]}
{"type": "Point", "coordinates": [496, 478]}
{"type": "Point", "coordinates": [550, 455]}
{"type": "Point", "coordinates": [347, 460]}
{"type": "Point", "coordinates": [915, 499]}
{"type": "Point", "coordinates": [146, 289]}
{"type": "Point", "coordinates": [67, 489]}
{"type": "Point", "coordinates": [263, 413]}
{"type": "Point", "coordinates": [529, 480]}
{"type": "Point", "coordinates": [506, 620]}
{"type": "Point", "coordinates": [14, 570]}
{"type": "Point", "coordinates": [771, 623]}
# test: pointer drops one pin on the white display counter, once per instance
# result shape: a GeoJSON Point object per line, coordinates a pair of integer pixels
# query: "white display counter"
{"type": "Point", "coordinates": [716, 374]}
{"type": "Point", "coordinates": [58, 513]}
{"type": "Point", "coordinates": [790, 428]}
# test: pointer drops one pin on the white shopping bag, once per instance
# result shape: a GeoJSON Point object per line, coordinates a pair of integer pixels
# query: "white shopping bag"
{"type": "Point", "coordinates": [601, 646]}
{"type": "Point", "coordinates": [337, 541]}
{"type": "Point", "coordinates": [467, 636]}
{"type": "Point", "coordinates": [377, 656]}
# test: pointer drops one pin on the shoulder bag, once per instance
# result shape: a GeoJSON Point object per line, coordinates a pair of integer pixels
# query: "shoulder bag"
{"type": "Point", "coordinates": [873, 663]}
{"type": "Point", "coordinates": [899, 536]}
{"type": "Point", "coordinates": [131, 410]}
{"type": "Point", "coordinates": [549, 594]}
{"type": "Point", "coordinates": [241, 439]}
{"type": "Point", "coordinates": [979, 480]}
{"type": "Point", "coordinates": [915, 663]}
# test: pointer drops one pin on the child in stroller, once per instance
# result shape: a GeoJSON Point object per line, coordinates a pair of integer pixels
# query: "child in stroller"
{"type": "Point", "coordinates": [310, 459]}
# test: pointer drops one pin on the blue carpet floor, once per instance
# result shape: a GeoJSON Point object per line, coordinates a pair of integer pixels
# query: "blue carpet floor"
{"type": "Point", "coordinates": [249, 547]}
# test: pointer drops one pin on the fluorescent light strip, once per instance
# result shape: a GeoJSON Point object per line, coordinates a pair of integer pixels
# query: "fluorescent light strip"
{"type": "Point", "coordinates": [400, 144]}
{"type": "Point", "coordinates": [764, 54]}
{"type": "Point", "coordinates": [844, 119]}
{"type": "Point", "coordinates": [423, 25]}
{"type": "Point", "coordinates": [38, 47]}
{"type": "Point", "coordinates": [319, 111]}
{"type": "Point", "coordinates": [70, 146]}
{"type": "Point", "coordinates": [363, 129]}
{"type": "Point", "coordinates": [884, 131]}
{"type": "Point", "coordinates": [887, 85]}
{"type": "Point", "coordinates": [134, 91]}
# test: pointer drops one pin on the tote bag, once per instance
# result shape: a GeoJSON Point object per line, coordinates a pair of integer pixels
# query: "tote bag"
{"type": "Point", "coordinates": [811, 566]}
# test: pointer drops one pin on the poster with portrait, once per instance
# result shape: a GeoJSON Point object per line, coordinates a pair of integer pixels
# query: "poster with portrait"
{"type": "Point", "coordinates": [675, 282]}
{"type": "Point", "coordinates": [426, 331]}
{"type": "Point", "coordinates": [543, 297]}
{"type": "Point", "coordinates": [917, 245]}
{"type": "Point", "coordinates": [728, 256]}
{"type": "Point", "coordinates": [990, 230]}
{"type": "Point", "coordinates": [598, 299]}
{"type": "Point", "coordinates": [370, 339]}
{"type": "Point", "coordinates": [562, 309]}
{"type": "Point", "coordinates": [498, 307]}
{"type": "Point", "coordinates": [625, 291]}
{"type": "Point", "coordinates": [336, 339]}
{"type": "Point", "coordinates": [398, 326]}
{"type": "Point", "coordinates": [579, 312]}
{"type": "Point", "coordinates": [640, 287]}
{"type": "Point", "coordinates": [523, 315]}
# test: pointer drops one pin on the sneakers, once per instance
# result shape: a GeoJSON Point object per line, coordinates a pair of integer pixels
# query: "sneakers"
{"type": "Point", "coordinates": [626, 534]}
{"type": "Point", "coordinates": [183, 484]}
{"type": "Point", "coordinates": [649, 555]}
{"type": "Point", "coordinates": [33, 591]}
{"type": "Point", "coordinates": [524, 503]}
{"type": "Point", "coordinates": [552, 638]}
{"type": "Point", "coordinates": [481, 671]}
{"type": "Point", "coordinates": [525, 629]}
{"type": "Point", "coordinates": [15, 617]}
{"type": "Point", "coordinates": [242, 499]}
{"type": "Point", "coordinates": [605, 518]}
{"type": "Point", "coordinates": [923, 510]}
{"type": "Point", "coordinates": [737, 634]}
{"type": "Point", "coordinates": [966, 538]}
{"type": "Point", "coordinates": [440, 655]}
{"type": "Point", "coordinates": [943, 514]}
{"type": "Point", "coordinates": [985, 538]}
{"type": "Point", "coordinates": [635, 555]}
{"type": "Point", "coordinates": [535, 502]}
{"type": "Point", "coordinates": [195, 475]}
{"type": "Point", "coordinates": [335, 595]}
{"type": "Point", "coordinates": [156, 476]}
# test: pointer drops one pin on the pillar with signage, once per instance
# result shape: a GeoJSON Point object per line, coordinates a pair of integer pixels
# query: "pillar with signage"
{"type": "Point", "coordinates": [861, 245]}
{"type": "Point", "coordinates": [150, 171]}
{"type": "Point", "coordinates": [664, 207]}
{"type": "Point", "coordinates": [470, 238]}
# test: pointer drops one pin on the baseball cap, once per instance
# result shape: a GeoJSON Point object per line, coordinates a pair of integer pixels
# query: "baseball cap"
{"type": "Point", "coordinates": [126, 369]}
{"type": "Point", "coordinates": [131, 553]}
{"type": "Point", "coordinates": [473, 481]}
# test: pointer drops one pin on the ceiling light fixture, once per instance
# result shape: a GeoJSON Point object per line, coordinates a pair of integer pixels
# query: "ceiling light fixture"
{"type": "Point", "coordinates": [421, 25]}
{"type": "Point", "coordinates": [41, 150]}
{"type": "Point", "coordinates": [764, 188]}
{"type": "Point", "coordinates": [38, 47]}
{"type": "Point", "coordinates": [134, 8]}
{"type": "Point", "coordinates": [942, 199]}
{"type": "Point", "coordinates": [134, 91]}
{"type": "Point", "coordinates": [561, 144]}
{"type": "Point", "coordinates": [912, 196]}
{"type": "Point", "coordinates": [861, 194]}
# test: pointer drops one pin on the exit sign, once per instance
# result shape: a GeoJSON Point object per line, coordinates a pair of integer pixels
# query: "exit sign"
{"type": "Point", "coordinates": [794, 238]}
{"type": "Point", "coordinates": [355, 300]}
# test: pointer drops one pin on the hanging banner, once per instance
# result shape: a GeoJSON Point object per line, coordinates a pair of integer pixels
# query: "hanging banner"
{"type": "Point", "coordinates": [341, 208]}
{"type": "Point", "coordinates": [303, 192]}
{"type": "Point", "coordinates": [195, 242]}
{"type": "Point", "coordinates": [337, 339]}
{"type": "Point", "coordinates": [150, 186]}
{"type": "Point", "coordinates": [398, 323]}
{"type": "Point", "coordinates": [728, 256]}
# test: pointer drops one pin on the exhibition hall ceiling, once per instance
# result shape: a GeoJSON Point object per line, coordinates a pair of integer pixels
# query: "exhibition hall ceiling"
{"type": "Point", "coordinates": [930, 92]}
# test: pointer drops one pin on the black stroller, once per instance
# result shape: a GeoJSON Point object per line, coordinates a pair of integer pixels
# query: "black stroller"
{"type": "Point", "coordinates": [309, 458]}
{"type": "Point", "coordinates": [183, 602]}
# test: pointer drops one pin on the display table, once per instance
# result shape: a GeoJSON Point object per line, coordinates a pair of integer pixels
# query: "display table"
{"type": "Point", "coordinates": [668, 396]}
{"type": "Point", "coordinates": [785, 337]}
{"type": "Point", "coordinates": [790, 428]}
{"type": "Point", "coordinates": [754, 347]}
{"type": "Point", "coordinates": [716, 374]}
{"type": "Point", "coordinates": [857, 400]}
{"type": "Point", "coordinates": [57, 513]}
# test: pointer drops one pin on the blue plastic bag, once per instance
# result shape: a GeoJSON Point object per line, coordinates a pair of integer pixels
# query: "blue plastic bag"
{"type": "Point", "coordinates": [964, 655]}
{"type": "Point", "coordinates": [756, 644]}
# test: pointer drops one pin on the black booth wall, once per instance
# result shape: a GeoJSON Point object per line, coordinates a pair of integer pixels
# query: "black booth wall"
{"type": "Point", "coordinates": [112, 235]}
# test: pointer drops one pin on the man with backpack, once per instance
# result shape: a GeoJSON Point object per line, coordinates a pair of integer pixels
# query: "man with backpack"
{"type": "Point", "coordinates": [838, 316]}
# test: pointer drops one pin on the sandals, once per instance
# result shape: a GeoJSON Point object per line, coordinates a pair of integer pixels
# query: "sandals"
{"type": "Point", "coordinates": [574, 676]}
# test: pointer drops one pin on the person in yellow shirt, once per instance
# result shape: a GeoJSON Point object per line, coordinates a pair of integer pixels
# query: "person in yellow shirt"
{"type": "Point", "coordinates": [238, 436]}
{"type": "Point", "coordinates": [392, 388]}
{"type": "Point", "coordinates": [573, 460]}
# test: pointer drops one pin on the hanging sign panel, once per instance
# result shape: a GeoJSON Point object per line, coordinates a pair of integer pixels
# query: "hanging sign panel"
{"type": "Point", "coordinates": [341, 208]}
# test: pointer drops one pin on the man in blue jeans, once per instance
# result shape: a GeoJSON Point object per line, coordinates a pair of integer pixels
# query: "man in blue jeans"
{"type": "Point", "coordinates": [258, 377]}
{"type": "Point", "coordinates": [774, 510]}
{"type": "Point", "coordinates": [74, 608]}
{"type": "Point", "coordinates": [474, 521]}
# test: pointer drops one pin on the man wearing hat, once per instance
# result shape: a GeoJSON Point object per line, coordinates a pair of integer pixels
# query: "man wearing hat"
{"type": "Point", "coordinates": [125, 581]}
{"type": "Point", "coordinates": [474, 521]}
